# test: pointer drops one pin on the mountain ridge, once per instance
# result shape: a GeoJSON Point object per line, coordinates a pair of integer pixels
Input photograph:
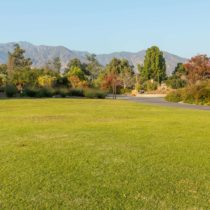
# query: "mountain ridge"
{"type": "Point", "coordinates": [41, 54]}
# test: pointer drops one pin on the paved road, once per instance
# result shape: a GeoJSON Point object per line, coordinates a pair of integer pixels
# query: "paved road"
{"type": "Point", "coordinates": [161, 101]}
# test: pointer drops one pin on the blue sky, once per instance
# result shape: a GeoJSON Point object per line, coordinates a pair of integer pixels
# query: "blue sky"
{"type": "Point", "coordinates": [181, 27]}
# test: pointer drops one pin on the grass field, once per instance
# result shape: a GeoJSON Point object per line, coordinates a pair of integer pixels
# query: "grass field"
{"type": "Point", "coordinates": [102, 154]}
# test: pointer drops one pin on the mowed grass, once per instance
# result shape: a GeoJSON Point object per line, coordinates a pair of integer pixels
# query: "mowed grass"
{"type": "Point", "coordinates": [102, 154]}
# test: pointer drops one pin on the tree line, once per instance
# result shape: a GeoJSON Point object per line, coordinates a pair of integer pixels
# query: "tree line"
{"type": "Point", "coordinates": [118, 76]}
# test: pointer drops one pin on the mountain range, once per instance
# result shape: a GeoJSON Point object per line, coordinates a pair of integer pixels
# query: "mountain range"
{"type": "Point", "coordinates": [40, 55]}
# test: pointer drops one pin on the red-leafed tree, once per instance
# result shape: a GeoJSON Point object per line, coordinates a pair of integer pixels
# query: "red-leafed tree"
{"type": "Point", "coordinates": [118, 74]}
{"type": "Point", "coordinates": [198, 69]}
{"type": "Point", "coordinates": [111, 80]}
{"type": "Point", "coordinates": [112, 77]}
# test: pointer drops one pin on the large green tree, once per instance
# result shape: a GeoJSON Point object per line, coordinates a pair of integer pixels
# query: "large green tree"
{"type": "Point", "coordinates": [154, 65]}
{"type": "Point", "coordinates": [17, 59]}
{"type": "Point", "coordinates": [93, 66]}
{"type": "Point", "coordinates": [18, 67]}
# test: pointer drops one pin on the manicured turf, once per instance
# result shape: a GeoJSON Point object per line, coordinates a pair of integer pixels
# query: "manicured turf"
{"type": "Point", "coordinates": [102, 154]}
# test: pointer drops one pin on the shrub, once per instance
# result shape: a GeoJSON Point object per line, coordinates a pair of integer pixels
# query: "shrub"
{"type": "Point", "coordinates": [101, 94]}
{"type": "Point", "coordinates": [174, 96]}
{"type": "Point", "coordinates": [10, 90]}
{"type": "Point", "coordinates": [189, 95]}
{"type": "Point", "coordinates": [176, 83]}
{"type": "Point", "coordinates": [63, 92]}
{"type": "Point", "coordinates": [90, 93]}
{"type": "Point", "coordinates": [45, 92]}
{"type": "Point", "coordinates": [76, 92]}
{"type": "Point", "coordinates": [38, 92]}
{"type": "Point", "coordinates": [194, 94]}
{"type": "Point", "coordinates": [204, 95]}
{"type": "Point", "coordinates": [93, 93]}
{"type": "Point", "coordinates": [30, 92]}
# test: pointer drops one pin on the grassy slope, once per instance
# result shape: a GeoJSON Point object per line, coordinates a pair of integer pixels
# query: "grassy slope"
{"type": "Point", "coordinates": [101, 154]}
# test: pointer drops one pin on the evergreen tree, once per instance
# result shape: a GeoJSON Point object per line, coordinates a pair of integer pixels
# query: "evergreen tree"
{"type": "Point", "coordinates": [17, 63]}
{"type": "Point", "coordinates": [93, 66]}
{"type": "Point", "coordinates": [154, 65]}
{"type": "Point", "coordinates": [57, 64]}
{"type": "Point", "coordinates": [17, 59]}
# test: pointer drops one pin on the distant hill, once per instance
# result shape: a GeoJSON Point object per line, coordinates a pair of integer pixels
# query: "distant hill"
{"type": "Point", "coordinates": [41, 54]}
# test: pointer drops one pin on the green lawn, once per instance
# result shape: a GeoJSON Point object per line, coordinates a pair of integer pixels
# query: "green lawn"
{"type": "Point", "coordinates": [102, 154]}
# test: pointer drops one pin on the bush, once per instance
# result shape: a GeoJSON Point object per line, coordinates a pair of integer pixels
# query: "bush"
{"type": "Point", "coordinates": [194, 94]}
{"type": "Point", "coordinates": [174, 96]}
{"type": "Point", "coordinates": [76, 92]}
{"type": "Point", "coordinates": [204, 95]}
{"type": "Point", "coordinates": [10, 90]}
{"type": "Point", "coordinates": [31, 92]}
{"type": "Point", "coordinates": [101, 94]}
{"type": "Point", "coordinates": [176, 83]}
{"type": "Point", "coordinates": [45, 92]}
{"type": "Point", "coordinates": [93, 93]}
{"type": "Point", "coordinates": [63, 92]}
{"type": "Point", "coordinates": [38, 92]}
{"type": "Point", "coordinates": [189, 95]}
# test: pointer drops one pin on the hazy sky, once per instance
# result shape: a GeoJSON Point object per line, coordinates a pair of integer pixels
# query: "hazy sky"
{"type": "Point", "coordinates": [181, 27]}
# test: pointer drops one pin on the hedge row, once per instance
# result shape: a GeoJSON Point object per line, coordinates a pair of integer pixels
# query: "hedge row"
{"type": "Point", "coordinates": [34, 92]}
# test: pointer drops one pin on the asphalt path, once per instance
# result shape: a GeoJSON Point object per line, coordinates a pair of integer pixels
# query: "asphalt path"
{"type": "Point", "coordinates": [162, 102]}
